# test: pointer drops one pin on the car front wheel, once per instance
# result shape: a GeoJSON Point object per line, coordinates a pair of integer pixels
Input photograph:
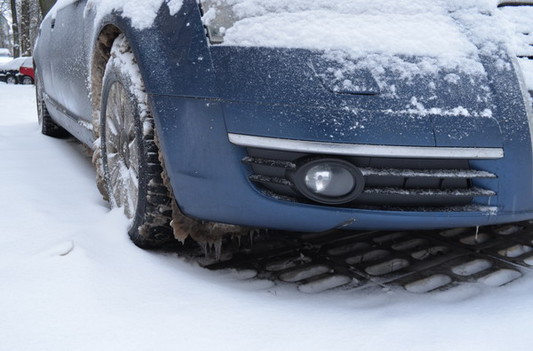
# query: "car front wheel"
{"type": "Point", "coordinates": [130, 169]}
{"type": "Point", "coordinates": [130, 166]}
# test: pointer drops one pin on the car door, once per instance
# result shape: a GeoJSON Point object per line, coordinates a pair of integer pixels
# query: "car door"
{"type": "Point", "coordinates": [69, 60]}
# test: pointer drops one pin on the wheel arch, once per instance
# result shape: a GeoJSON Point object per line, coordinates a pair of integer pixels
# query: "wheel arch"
{"type": "Point", "coordinates": [110, 28]}
{"type": "Point", "coordinates": [170, 52]}
{"type": "Point", "coordinates": [100, 56]}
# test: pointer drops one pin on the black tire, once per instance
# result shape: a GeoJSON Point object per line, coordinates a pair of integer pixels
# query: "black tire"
{"type": "Point", "coordinates": [127, 143]}
{"type": "Point", "coordinates": [48, 126]}
{"type": "Point", "coordinates": [11, 79]}
{"type": "Point", "coordinates": [26, 80]}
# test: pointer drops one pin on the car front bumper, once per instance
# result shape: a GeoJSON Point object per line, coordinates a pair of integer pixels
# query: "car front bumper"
{"type": "Point", "coordinates": [210, 181]}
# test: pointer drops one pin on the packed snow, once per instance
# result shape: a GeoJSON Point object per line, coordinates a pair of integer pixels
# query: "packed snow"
{"type": "Point", "coordinates": [72, 280]}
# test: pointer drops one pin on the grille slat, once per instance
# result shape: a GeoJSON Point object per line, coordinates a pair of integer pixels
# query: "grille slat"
{"type": "Point", "coordinates": [369, 171]}
{"type": "Point", "coordinates": [258, 178]}
{"type": "Point", "coordinates": [270, 163]}
{"type": "Point", "coordinates": [430, 192]}
{"type": "Point", "coordinates": [428, 173]}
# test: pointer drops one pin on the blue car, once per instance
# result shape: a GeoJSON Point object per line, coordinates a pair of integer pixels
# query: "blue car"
{"type": "Point", "coordinates": [214, 117]}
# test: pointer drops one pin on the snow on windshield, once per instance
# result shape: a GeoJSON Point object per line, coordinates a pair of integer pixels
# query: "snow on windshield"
{"type": "Point", "coordinates": [452, 32]}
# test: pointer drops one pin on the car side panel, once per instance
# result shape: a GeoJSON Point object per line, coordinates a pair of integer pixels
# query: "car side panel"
{"type": "Point", "coordinates": [69, 55]}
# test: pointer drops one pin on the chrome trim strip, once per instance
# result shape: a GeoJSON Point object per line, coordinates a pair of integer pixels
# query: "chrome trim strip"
{"type": "Point", "coordinates": [365, 150]}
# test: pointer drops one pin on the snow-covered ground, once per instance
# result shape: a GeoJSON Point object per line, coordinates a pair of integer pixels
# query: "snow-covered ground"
{"type": "Point", "coordinates": [71, 279]}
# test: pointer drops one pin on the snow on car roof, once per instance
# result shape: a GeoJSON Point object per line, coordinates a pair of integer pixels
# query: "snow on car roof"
{"type": "Point", "coordinates": [16, 63]}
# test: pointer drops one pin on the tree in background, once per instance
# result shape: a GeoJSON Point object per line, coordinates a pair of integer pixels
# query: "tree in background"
{"type": "Point", "coordinates": [25, 16]}
{"type": "Point", "coordinates": [5, 34]}
{"type": "Point", "coordinates": [46, 5]}
{"type": "Point", "coordinates": [29, 21]}
{"type": "Point", "coordinates": [15, 28]}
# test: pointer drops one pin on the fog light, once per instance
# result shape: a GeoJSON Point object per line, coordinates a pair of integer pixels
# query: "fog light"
{"type": "Point", "coordinates": [329, 181]}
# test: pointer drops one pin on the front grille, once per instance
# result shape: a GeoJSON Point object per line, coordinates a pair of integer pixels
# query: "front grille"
{"type": "Point", "coordinates": [390, 183]}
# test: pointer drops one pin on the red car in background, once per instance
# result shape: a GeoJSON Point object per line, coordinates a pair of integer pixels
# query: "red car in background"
{"type": "Point", "coordinates": [26, 72]}
{"type": "Point", "coordinates": [17, 71]}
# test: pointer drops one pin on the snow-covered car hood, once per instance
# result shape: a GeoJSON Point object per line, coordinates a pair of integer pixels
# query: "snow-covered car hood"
{"type": "Point", "coordinates": [448, 107]}
{"type": "Point", "coordinates": [448, 32]}
{"type": "Point", "coordinates": [357, 27]}
{"type": "Point", "coordinates": [367, 46]}
{"type": "Point", "coordinates": [424, 67]}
